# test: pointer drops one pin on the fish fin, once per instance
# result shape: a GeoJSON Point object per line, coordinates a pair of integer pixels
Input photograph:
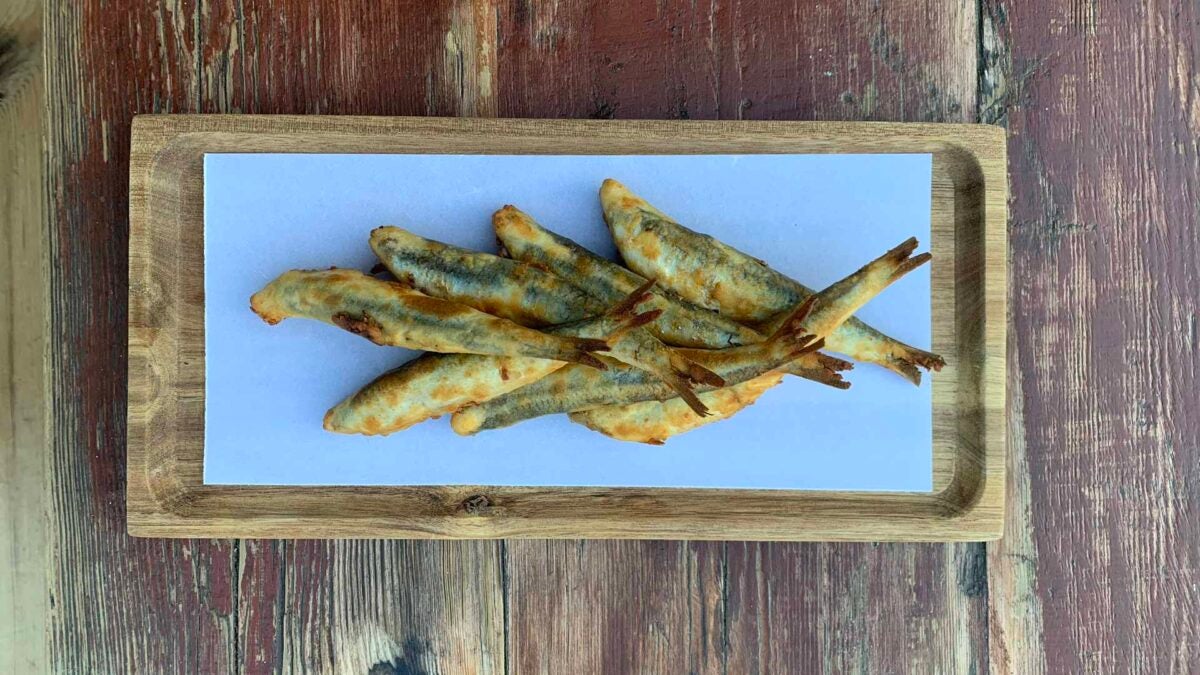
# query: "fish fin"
{"type": "Point", "coordinates": [655, 441]}
{"type": "Point", "coordinates": [807, 346]}
{"type": "Point", "coordinates": [791, 336]}
{"type": "Point", "coordinates": [680, 386]}
{"type": "Point", "coordinates": [827, 372]}
{"type": "Point", "coordinates": [833, 363]}
{"type": "Point", "coordinates": [820, 368]}
{"type": "Point", "coordinates": [908, 362]}
{"type": "Point", "coordinates": [501, 249]}
{"type": "Point", "coordinates": [911, 264]}
{"type": "Point", "coordinates": [794, 321]}
{"type": "Point", "coordinates": [625, 312]}
{"type": "Point", "coordinates": [580, 351]}
{"type": "Point", "coordinates": [694, 371]}
{"type": "Point", "coordinates": [631, 301]}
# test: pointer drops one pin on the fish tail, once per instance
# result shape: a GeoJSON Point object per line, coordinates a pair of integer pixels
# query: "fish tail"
{"type": "Point", "coordinates": [694, 371]}
{"type": "Point", "coordinates": [899, 258]}
{"type": "Point", "coordinates": [683, 388]}
{"type": "Point", "coordinates": [820, 368]}
{"type": "Point", "coordinates": [791, 335]}
{"type": "Point", "coordinates": [827, 371]}
{"type": "Point", "coordinates": [626, 314]}
{"type": "Point", "coordinates": [904, 361]}
{"type": "Point", "coordinates": [833, 363]}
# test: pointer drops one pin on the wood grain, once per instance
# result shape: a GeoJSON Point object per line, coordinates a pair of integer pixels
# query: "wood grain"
{"type": "Point", "coordinates": [617, 607]}
{"type": "Point", "coordinates": [306, 606]}
{"type": "Point", "coordinates": [118, 604]}
{"type": "Point", "coordinates": [125, 605]}
{"type": "Point", "coordinates": [22, 328]}
{"type": "Point", "coordinates": [1100, 569]}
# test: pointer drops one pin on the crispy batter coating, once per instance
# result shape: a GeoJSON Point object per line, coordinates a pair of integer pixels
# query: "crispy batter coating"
{"type": "Point", "coordinates": [389, 313]}
{"type": "Point", "coordinates": [714, 275]}
{"type": "Point", "coordinates": [571, 389]}
{"type": "Point", "coordinates": [527, 295]}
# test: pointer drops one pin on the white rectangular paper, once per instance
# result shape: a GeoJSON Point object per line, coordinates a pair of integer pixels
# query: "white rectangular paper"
{"type": "Point", "coordinates": [814, 217]}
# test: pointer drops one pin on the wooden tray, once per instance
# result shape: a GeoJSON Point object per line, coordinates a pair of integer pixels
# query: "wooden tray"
{"type": "Point", "coordinates": [166, 496]}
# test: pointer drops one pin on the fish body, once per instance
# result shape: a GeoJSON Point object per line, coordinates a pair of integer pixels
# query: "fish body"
{"type": "Point", "coordinates": [389, 313]}
{"type": "Point", "coordinates": [433, 385]}
{"type": "Point", "coordinates": [654, 422]}
{"type": "Point", "coordinates": [571, 389]}
{"type": "Point", "coordinates": [430, 386]}
{"type": "Point", "coordinates": [680, 323]}
{"type": "Point", "coordinates": [508, 288]}
{"type": "Point", "coordinates": [526, 294]}
{"type": "Point", "coordinates": [714, 275]}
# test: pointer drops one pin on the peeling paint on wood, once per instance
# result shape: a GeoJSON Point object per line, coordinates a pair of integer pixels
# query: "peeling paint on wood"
{"type": "Point", "coordinates": [1099, 569]}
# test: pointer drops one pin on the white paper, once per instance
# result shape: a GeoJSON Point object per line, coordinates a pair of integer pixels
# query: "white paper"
{"type": "Point", "coordinates": [814, 217]}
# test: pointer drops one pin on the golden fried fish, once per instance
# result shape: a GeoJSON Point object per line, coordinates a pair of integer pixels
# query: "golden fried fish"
{"type": "Point", "coordinates": [433, 385]}
{"type": "Point", "coordinates": [714, 275]}
{"type": "Point", "coordinates": [508, 288]}
{"type": "Point", "coordinates": [834, 305]}
{"type": "Point", "coordinates": [655, 421]}
{"type": "Point", "coordinates": [391, 314]}
{"type": "Point", "coordinates": [681, 324]}
{"type": "Point", "coordinates": [571, 389]}
{"type": "Point", "coordinates": [526, 294]}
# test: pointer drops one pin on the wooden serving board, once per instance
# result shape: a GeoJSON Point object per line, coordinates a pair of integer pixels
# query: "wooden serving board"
{"type": "Point", "coordinates": [166, 496]}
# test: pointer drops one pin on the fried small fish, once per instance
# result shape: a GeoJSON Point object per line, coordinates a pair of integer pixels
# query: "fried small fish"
{"type": "Point", "coordinates": [528, 295]}
{"type": "Point", "coordinates": [507, 288]}
{"type": "Point", "coordinates": [391, 314]}
{"type": "Point", "coordinates": [681, 323]}
{"type": "Point", "coordinates": [571, 389]}
{"type": "Point", "coordinates": [433, 385]}
{"type": "Point", "coordinates": [711, 274]}
{"type": "Point", "coordinates": [654, 422]}
{"type": "Point", "coordinates": [650, 423]}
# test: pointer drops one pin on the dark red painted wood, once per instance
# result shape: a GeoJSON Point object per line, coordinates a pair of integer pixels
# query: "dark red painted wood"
{"type": "Point", "coordinates": [1100, 569]}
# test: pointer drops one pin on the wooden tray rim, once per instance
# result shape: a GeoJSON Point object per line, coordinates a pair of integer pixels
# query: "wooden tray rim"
{"type": "Point", "coordinates": [164, 497]}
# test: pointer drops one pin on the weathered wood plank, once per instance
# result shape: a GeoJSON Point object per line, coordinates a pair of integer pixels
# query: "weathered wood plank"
{"type": "Point", "coordinates": [117, 604]}
{"type": "Point", "coordinates": [124, 605]}
{"type": "Point", "coordinates": [1101, 562]}
{"type": "Point", "coordinates": [618, 607]}
{"type": "Point", "coordinates": [347, 606]}
{"type": "Point", "coordinates": [786, 607]}
{"type": "Point", "coordinates": [22, 329]}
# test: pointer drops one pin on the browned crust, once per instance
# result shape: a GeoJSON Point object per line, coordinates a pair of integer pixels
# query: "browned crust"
{"type": "Point", "coordinates": [364, 325]}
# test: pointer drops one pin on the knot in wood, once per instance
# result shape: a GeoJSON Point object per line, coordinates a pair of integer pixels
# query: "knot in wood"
{"type": "Point", "coordinates": [477, 505]}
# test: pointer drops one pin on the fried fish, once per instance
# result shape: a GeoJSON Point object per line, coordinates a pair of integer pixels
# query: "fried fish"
{"type": "Point", "coordinates": [527, 295]}
{"type": "Point", "coordinates": [571, 389]}
{"type": "Point", "coordinates": [389, 313]}
{"type": "Point", "coordinates": [711, 274]}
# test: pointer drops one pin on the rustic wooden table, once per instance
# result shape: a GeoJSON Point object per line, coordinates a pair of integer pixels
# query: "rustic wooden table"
{"type": "Point", "coordinates": [1100, 566]}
